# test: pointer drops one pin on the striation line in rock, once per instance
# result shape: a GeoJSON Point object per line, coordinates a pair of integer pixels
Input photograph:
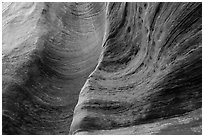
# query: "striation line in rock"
{"type": "Point", "coordinates": [49, 49]}
{"type": "Point", "coordinates": [150, 72]}
{"type": "Point", "coordinates": [134, 68]}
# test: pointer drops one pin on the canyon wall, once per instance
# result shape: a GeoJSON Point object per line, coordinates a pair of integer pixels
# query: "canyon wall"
{"type": "Point", "coordinates": [49, 49]}
{"type": "Point", "coordinates": [150, 72]}
{"type": "Point", "coordinates": [102, 68]}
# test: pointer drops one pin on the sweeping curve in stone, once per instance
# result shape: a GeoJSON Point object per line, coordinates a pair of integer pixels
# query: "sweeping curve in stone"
{"type": "Point", "coordinates": [102, 68]}
{"type": "Point", "coordinates": [149, 75]}
{"type": "Point", "coordinates": [49, 49]}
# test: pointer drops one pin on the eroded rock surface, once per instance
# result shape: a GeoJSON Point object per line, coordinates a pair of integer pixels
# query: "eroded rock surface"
{"type": "Point", "coordinates": [134, 68]}
{"type": "Point", "coordinates": [49, 49]}
{"type": "Point", "coordinates": [150, 72]}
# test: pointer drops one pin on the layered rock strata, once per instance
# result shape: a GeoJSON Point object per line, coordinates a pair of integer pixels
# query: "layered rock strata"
{"type": "Point", "coordinates": [49, 49]}
{"type": "Point", "coordinates": [134, 68]}
{"type": "Point", "coordinates": [150, 72]}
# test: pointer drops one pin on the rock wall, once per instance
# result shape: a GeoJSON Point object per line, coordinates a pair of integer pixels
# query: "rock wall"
{"type": "Point", "coordinates": [151, 70]}
{"type": "Point", "coordinates": [134, 68]}
{"type": "Point", "coordinates": [49, 49]}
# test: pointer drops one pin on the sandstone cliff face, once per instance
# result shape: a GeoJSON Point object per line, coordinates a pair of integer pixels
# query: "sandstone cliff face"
{"type": "Point", "coordinates": [134, 68]}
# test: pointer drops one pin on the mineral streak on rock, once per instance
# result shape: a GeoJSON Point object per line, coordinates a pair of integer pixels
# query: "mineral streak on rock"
{"type": "Point", "coordinates": [49, 49]}
{"type": "Point", "coordinates": [135, 68]}
{"type": "Point", "coordinates": [149, 75]}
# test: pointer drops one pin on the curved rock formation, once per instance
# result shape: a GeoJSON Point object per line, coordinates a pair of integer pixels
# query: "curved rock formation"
{"type": "Point", "coordinates": [137, 66]}
{"type": "Point", "coordinates": [49, 49]}
{"type": "Point", "coordinates": [150, 72]}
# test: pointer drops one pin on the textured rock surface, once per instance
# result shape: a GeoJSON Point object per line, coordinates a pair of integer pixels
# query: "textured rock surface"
{"type": "Point", "coordinates": [49, 49]}
{"type": "Point", "coordinates": [137, 66]}
{"type": "Point", "coordinates": [150, 72]}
